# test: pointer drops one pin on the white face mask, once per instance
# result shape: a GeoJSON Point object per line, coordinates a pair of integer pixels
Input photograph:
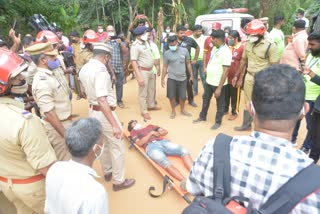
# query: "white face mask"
{"type": "Point", "coordinates": [253, 39]}
{"type": "Point", "coordinates": [111, 34]}
{"type": "Point", "coordinates": [137, 126]}
{"type": "Point", "coordinates": [100, 30]}
{"type": "Point", "coordinates": [168, 30]}
{"type": "Point", "coordinates": [144, 37]}
{"type": "Point", "coordinates": [21, 89]}
{"type": "Point", "coordinates": [147, 26]}
{"type": "Point", "coordinates": [101, 151]}
{"type": "Point", "coordinates": [82, 45]}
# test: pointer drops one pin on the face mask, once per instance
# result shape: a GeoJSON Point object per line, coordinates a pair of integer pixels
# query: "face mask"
{"type": "Point", "coordinates": [111, 34]}
{"type": "Point", "coordinates": [137, 126]}
{"type": "Point", "coordinates": [226, 35]}
{"type": "Point", "coordinates": [253, 39]}
{"type": "Point", "coordinates": [100, 30]}
{"type": "Point", "coordinates": [147, 26]}
{"type": "Point", "coordinates": [19, 89]}
{"type": "Point", "coordinates": [231, 42]}
{"type": "Point", "coordinates": [101, 151]}
{"type": "Point", "coordinates": [173, 48]}
{"type": "Point", "coordinates": [82, 45]}
{"type": "Point", "coordinates": [53, 64]}
{"type": "Point", "coordinates": [144, 37]}
{"type": "Point", "coordinates": [167, 30]}
{"type": "Point", "coordinates": [315, 52]}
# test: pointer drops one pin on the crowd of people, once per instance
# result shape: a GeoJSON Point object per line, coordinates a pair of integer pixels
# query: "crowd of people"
{"type": "Point", "coordinates": [47, 158]}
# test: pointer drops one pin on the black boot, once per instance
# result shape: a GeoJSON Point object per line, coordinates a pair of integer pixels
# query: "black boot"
{"type": "Point", "coordinates": [246, 125]}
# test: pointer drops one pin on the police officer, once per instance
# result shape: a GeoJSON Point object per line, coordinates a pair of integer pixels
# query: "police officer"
{"type": "Point", "coordinates": [258, 54]}
{"type": "Point", "coordinates": [52, 94]}
{"type": "Point", "coordinates": [25, 152]}
{"type": "Point", "coordinates": [143, 62]}
{"type": "Point", "coordinates": [98, 87]}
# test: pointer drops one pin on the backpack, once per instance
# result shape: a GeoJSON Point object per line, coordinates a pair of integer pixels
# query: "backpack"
{"type": "Point", "coordinates": [282, 201]}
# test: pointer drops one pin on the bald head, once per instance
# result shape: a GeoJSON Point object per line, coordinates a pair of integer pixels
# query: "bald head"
{"type": "Point", "coordinates": [110, 29]}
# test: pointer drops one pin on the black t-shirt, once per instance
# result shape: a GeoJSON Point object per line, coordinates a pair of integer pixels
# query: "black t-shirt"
{"type": "Point", "coordinates": [187, 43]}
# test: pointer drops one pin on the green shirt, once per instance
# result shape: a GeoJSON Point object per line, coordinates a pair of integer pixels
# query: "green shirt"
{"type": "Point", "coordinates": [219, 58]}
{"type": "Point", "coordinates": [155, 54]}
{"type": "Point", "coordinates": [278, 37]}
{"type": "Point", "coordinates": [312, 89]}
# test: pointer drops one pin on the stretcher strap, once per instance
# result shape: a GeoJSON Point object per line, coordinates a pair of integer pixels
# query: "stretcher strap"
{"type": "Point", "coordinates": [166, 181]}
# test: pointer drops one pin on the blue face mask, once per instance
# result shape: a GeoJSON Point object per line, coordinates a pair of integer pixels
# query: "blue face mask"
{"type": "Point", "coordinates": [173, 48]}
{"type": "Point", "coordinates": [53, 64]}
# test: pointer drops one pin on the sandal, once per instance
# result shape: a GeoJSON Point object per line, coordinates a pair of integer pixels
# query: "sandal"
{"type": "Point", "coordinates": [172, 115]}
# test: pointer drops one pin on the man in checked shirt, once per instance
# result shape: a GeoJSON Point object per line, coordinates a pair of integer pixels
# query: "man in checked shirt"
{"type": "Point", "coordinates": [262, 162]}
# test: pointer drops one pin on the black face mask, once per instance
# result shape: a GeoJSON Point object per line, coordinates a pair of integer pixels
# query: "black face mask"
{"type": "Point", "coordinates": [315, 52]}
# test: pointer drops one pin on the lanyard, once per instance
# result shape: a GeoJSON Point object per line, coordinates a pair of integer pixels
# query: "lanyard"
{"type": "Point", "coordinates": [313, 62]}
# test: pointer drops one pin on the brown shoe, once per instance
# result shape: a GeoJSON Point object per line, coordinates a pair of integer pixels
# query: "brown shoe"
{"type": "Point", "coordinates": [125, 185]}
{"type": "Point", "coordinates": [233, 117]}
{"type": "Point", "coordinates": [108, 177]}
{"type": "Point", "coordinates": [156, 108]}
{"type": "Point", "coordinates": [121, 105]}
{"type": "Point", "coordinates": [146, 116]}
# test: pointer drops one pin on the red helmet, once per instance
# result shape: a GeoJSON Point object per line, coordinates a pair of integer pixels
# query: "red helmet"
{"type": "Point", "coordinates": [90, 37]}
{"type": "Point", "coordinates": [10, 66]}
{"type": "Point", "coordinates": [216, 26]}
{"type": "Point", "coordinates": [256, 27]}
{"type": "Point", "coordinates": [45, 36]}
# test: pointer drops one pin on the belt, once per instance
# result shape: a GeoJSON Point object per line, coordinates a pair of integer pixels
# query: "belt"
{"type": "Point", "coordinates": [98, 108]}
{"type": "Point", "coordinates": [69, 118]}
{"type": "Point", "coordinates": [23, 181]}
{"type": "Point", "coordinates": [144, 68]}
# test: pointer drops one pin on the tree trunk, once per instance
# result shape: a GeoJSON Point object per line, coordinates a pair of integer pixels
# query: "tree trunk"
{"type": "Point", "coordinates": [97, 11]}
{"type": "Point", "coordinates": [120, 17]}
{"type": "Point", "coordinates": [103, 12]}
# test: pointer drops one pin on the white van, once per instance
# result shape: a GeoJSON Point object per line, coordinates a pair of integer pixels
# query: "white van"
{"type": "Point", "coordinates": [232, 20]}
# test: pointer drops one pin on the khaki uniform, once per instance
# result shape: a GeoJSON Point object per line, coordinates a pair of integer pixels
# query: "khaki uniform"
{"type": "Point", "coordinates": [258, 58]}
{"type": "Point", "coordinates": [24, 149]}
{"type": "Point", "coordinates": [51, 92]}
{"type": "Point", "coordinates": [141, 52]}
{"type": "Point", "coordinates": [32, 70]}
{"type": "Point", "coordinates": [83, 57]}
{"type": "Point", "coordinates": [96, 82]}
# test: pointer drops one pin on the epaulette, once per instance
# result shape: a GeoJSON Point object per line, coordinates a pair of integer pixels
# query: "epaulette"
{"type": "Point", "coordinates": [27, 114]}
{"type": "Point", "coordinates": [134, 43]}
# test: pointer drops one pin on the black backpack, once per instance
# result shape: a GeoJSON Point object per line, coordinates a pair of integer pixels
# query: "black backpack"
{"type": "Point", "coordinates": [282, 201]}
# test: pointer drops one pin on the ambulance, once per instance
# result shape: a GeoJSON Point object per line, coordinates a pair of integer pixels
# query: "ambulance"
{"type": "Point", "coordinates": [226, 17]}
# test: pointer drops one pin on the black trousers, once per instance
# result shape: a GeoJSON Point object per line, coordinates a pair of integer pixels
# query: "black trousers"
{"type": "Point", "coordinates": [189, 90]}
{"type": "Point", "coordinates": [206, 99]}
{"type": "Point", "coordinates": [231, 94]}
{"type": "Point", "coordinates": [315, 136]}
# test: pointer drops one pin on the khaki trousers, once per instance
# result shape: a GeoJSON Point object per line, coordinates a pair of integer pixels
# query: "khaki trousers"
{"type": "Point", "coordinates": [112, 159]}
{"type": "Point", "coordinates": [58, 143]}
{"type": "Point", "coordinates": [147, 92]}
{"type": "Point", "coordinates": [27, 198]}
{"type": "Point", "coordinates": [248, 86]}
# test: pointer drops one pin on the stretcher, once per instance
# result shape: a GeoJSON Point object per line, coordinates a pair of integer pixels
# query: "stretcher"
{"type": "Point", "coordinates": [169, 182]}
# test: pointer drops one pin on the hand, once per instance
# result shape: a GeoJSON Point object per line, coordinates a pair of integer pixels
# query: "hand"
{"type": "Point", "coordinates": [234, 81]}
{"type": "Point", "coordinates": [193, 62]}
{"type": "Point", "coordinates": [114, 79]}
{"type": "Point", "coordinates": [158, 73]}
{"type": "Point", "coordinates": [306, 70]}
{"type": "Point", "coordinates": [156, 134]}
{"type": "Point", "coordinates": [217, 92]}
{"type": "Point", "coordinates": [117, 132]}
{"type": "Point", "coordinates": [140, 82]}
{"type": "Point", "coordinates": [239, 83]}
{"type": "Point", "coordinates": [118, 41]}
{"type": "Point", "coordinates": [69, 70]}
{"type": "Point", "coordinates": [12, 34]}
{"type": "Point", "coordinates": [163, 84]}
{"type": "Point", "coordinates": [191, 79]}
{"type": "Point", "coordinates": [204, 70]}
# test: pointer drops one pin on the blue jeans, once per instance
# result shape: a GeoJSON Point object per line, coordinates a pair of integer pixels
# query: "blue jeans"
{"type": "Point", "coordinates": [119, 86]}
{"type": "Point", "coordinates": [198, 69]}
{"type": "Point", "coordinates": [307, 142]}
{"type": "Point", "coordinates": [159, 150]}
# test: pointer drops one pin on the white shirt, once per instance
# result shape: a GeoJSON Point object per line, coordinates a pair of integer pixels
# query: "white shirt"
{"type": "Point", "coordinates": [72, 189]}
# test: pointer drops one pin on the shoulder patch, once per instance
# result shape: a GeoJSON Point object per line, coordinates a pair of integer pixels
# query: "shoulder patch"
{"type": "Point", "coordinates": [27, 114]}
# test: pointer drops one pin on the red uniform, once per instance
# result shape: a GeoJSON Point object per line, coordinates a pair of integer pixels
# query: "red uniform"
{"type": "Point", "coordinates": [236, 58]}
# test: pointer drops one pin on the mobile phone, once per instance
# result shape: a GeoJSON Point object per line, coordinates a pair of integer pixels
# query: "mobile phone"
{"type": "Point", "coordinates": [14, 24]}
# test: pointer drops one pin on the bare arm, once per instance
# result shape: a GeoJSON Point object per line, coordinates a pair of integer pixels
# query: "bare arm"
{"type": "Point", "coordinates": [53, 119]}
{"type": "Point", "coordinates": [164, 74]}
{"type": "Point", "coordinates": [196, 55]}
{"type": "Point", "coordinates": [146, 138]}
{"type": "Point", "coordinates": [157, 64]}
{"type": "Point", "coordinates": [189, 68]}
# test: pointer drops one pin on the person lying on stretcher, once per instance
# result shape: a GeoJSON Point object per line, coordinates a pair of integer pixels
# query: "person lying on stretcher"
{"type": "Point", "coordinates": [157, 148]}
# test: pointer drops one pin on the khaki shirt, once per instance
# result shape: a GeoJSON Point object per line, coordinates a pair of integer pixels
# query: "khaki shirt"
{"type": "Point", "coordinates": [96, 82]}
{"type": "Point", "coordinates": [256, 56]}
{"type": "Point", "coordinates": [141, 52]}
{"type": "Point", "coordinates": [51, 92]}
{"type": "Point", "coordinates": [83, 57]}
{"type": "Point", "coordinates": [31, 71]}
{"type": "Point", "coordinates": [24, 147]}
